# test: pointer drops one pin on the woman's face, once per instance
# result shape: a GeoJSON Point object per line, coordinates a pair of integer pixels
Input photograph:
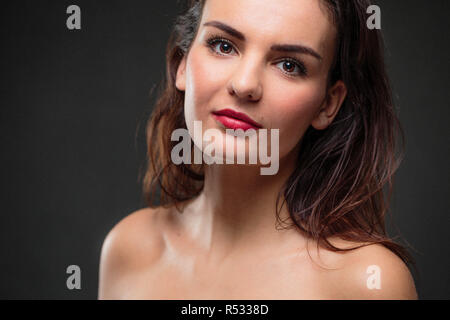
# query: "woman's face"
{"type": "Point", "coordinates": [247, 71]}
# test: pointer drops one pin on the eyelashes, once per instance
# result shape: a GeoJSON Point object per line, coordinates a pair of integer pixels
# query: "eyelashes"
{"type": "Point", "coordinates": [214, 40]}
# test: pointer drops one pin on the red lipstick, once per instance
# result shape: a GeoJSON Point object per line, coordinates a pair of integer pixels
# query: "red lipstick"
{"type": "Point", "coordinates": [235, 120]}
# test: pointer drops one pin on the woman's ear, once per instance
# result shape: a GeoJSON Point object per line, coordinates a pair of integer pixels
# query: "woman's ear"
{"type": "Point", "coordinates": [331, 105]}
{"type": "Point", "coordinates": [180, 82]}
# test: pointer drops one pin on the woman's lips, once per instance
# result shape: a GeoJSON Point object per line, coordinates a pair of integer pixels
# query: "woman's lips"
{"type": "Point", "coordinates": [235, 120]}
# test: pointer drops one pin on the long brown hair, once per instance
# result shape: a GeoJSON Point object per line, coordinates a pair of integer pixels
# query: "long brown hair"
{"type": "Point", "coordinates": [342, 184]}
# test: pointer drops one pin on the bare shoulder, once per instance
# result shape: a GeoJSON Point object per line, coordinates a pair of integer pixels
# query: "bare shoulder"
{"type": "Point", "coordinates": [132, 244]}
{"type": "Point", "coordinates": [375, 272]}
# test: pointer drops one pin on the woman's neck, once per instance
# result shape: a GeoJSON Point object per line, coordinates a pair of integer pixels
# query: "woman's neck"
{"type": "Point", "coordinates": [237, 209]}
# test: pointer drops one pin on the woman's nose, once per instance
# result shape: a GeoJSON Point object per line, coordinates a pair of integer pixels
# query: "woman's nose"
{"type": "Point", "coordinates": [245, 82]}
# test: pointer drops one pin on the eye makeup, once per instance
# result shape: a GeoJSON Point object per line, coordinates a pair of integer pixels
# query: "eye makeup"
{"type": "Point", "coordinates": [213, 40]}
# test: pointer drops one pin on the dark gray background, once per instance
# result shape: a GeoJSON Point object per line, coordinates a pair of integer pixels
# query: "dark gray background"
{"type": "Point", "coordinates": [71, 103]}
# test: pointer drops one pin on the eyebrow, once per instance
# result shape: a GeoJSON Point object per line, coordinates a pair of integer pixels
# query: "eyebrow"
{"type": "Point", "coordinates": [276, 47]}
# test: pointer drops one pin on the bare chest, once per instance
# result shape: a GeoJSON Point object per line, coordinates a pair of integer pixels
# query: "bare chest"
{"type": "Point", "coordinates": [237, 279]}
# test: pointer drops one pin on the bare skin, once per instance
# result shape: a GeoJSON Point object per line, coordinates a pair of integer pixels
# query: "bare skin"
{"type": "Point", "coordinates": [225, 244]}
{"type": "Point", "coordinates": [151, 255]}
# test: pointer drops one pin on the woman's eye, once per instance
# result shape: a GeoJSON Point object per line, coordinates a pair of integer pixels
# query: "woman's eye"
{"type": "Point", "coordinates": [290, 66]}
{"type": "Point", "coordinates": [223, 46]}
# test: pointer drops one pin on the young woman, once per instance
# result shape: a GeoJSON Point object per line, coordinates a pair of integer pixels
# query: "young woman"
{"type": "Point", "coordinates": [313, 70]}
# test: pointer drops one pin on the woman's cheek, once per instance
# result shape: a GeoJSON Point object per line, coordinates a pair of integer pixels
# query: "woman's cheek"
{"type": "Point", "coordinates": [201, 81]}
{"type": "Point", "coordinates": [295, 113]}
{"type": "Point", "coordinates": [209, 73]}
